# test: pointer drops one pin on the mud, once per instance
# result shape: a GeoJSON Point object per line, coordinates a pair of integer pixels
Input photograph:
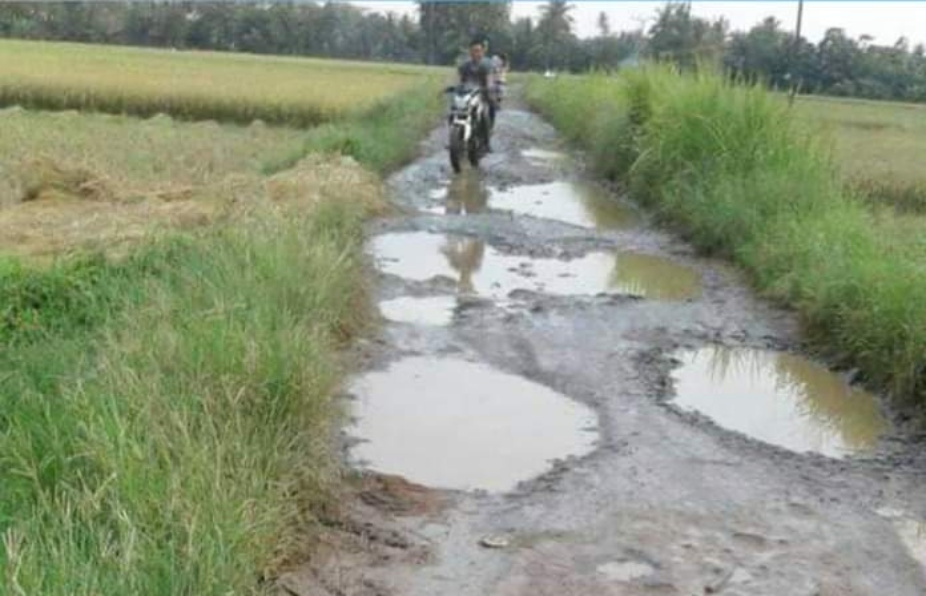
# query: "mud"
{"type": "Point", "coordinates": [669, 502]}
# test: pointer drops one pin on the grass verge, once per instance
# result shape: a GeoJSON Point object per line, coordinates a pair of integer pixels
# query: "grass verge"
{"type": "Point", "coordinates": [383, 138]}
{"type": "Point", "coordinates": [164, 419]}
{"type": "Point", "coordinates": [165, 409]}
{"type": "Point", "coordinates": [741, 176]}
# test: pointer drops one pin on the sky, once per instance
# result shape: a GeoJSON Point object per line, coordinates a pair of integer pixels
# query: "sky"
{"type": "Point", "coordinates": [886, 21]}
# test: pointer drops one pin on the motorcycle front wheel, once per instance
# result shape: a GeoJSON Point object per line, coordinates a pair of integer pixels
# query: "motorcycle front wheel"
{"type": "Point", "coordinates": [457, 147]}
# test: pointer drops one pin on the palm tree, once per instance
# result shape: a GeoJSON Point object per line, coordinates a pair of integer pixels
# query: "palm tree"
{"type": "Point", "coordinates": [555, 27]}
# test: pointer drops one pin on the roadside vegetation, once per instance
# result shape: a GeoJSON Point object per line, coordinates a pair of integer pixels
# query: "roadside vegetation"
{"type": "Point", "coordinates": [194, 85]}
{"type": "Point", "coordinates": [742, 176]}
{"type": "Point", "coordinates": [173, 297]}
{"type": "Point", "coordinates": [166, 418]}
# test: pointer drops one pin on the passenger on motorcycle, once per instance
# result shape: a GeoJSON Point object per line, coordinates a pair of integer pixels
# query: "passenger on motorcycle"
{"type": "Point", "coordinates": [500, 78]}
{"type": "Point", "coordinates": [477, 72]}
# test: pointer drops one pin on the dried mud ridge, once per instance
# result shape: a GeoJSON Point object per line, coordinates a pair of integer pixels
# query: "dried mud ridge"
{"type": "Point", "coordinates": [668, 502]}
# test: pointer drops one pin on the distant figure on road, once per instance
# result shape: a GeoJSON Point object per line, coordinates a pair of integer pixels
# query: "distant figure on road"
{"type": "Point", "coordinates": [500, 76]}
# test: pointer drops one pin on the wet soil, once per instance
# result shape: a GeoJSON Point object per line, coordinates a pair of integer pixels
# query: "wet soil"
{"type": "Point", "coordinates": [675, 497]}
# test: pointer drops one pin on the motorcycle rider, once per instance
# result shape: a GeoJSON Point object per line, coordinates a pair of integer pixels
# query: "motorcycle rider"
{"type": "Point", "coordinates": [477, 72]}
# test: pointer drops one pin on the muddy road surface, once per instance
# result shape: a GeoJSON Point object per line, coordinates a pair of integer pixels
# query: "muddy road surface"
{"type": "Point", "coordinates": [595, 410]}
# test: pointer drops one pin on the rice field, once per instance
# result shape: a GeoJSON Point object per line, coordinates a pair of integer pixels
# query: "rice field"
{"type": "Point", "coordinates": [132, 157]}
{"type": "Point", "coordinates": [878, 146]}
{"type": "Point", "coordinates": [195, 85]}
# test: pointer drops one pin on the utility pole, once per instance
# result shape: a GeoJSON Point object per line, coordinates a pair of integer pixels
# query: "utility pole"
{"type": "Point", "coordinates": [794, 51]}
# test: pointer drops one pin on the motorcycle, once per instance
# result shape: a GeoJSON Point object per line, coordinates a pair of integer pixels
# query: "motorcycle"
{"type": "Point", "coordinates": [469, 126]}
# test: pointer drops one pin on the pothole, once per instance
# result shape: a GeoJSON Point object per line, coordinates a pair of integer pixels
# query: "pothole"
{"type": "Point", "coordinates": [579, 204]}
{"type": "Point", "coordinates": [430, 310]}
{"type": "Point", "coordinates": [625, 571]}
{"type": "Point", "coordinates": [779, 398]}
{"type": "Point", "coordinates": [542, 155]}
{"type": "Point", "coordinates": [465, 195]}
{"type": "Point", "coordinates": [455, 424]}
{"type": "Point", "coordinates": [478, 268]}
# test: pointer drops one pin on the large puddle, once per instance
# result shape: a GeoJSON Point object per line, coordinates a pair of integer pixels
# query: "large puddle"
{"type": "Point", "coordinates": [779, 398]}
{"type": "Point", "coordinates": [585, 205]}
{"type": "Point", "coordinates": [480, 269]}
{"type": "Point", "coordinates": [542, 156]}
{"type": "Point", "coordinates": [455, 424]}
{"type": "Point", "coordinates": [430, 310]}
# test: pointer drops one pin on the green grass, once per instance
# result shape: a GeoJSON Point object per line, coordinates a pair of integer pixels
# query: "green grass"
{"type": "Point", "coordinates": [165, 419]}
{"type": "Point", "coordinates": [195, 85]}
{"type": "Point", "coordinates": [742, 177]}
{"type": "Point", "coordinates": [383, 138]}
{"type": "Point", "coordinates": [166, 410]}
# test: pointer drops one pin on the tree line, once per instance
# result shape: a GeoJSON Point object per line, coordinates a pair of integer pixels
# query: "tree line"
{"type": "Point", "coordinates": [440, 32]}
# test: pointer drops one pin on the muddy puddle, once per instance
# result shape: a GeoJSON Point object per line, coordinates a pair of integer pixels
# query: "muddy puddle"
{"type": "Point", "coordinates": [779, 398]}
{"type": "Point", "coordinates": [535, 154]}
{"type": "Point", "coordinates": [450, 423]}
{"type": "Point", "coordinates": [430, 310]}
{"type": "Point", "coordinates": [477, 268]}
{"type": "Point", "coordinates": [466, 194]}
{"type": "Point", "coordinates": [579, 204]}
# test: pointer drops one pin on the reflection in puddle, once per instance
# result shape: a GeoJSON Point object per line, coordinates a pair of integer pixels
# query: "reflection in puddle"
{"type": "Point", "coordinates": [432, 310]}
{"type": "Point", "coordinates": [460, 425]}
{"type": "Point", "coordinates": [480, 269]}
{"type": "Point", "coordinates": [584, 205]}
{"type": "Point", "coordinates": [779, 398]}
{"type": "Point", "coordinates": [542, 155]}
{"type": "Point", "coordinates": [466, 194]}
{"type": "Point", "coordinates": [655, 277]}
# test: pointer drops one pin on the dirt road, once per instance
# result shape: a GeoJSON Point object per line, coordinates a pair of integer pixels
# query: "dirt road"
{"type": "Point", "coordinates": [535, 317]}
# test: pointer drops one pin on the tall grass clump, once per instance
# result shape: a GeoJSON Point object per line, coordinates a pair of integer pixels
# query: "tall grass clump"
{"type": "Point", "coordinates": [730, 167]}
{"type": "Point", "coordinates": [164, 419]}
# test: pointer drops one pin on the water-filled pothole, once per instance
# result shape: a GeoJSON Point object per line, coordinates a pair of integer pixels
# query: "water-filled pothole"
{"type": "Point", "coordinates": [585, 205]}
{"type": "Point", "coordinates": [466, 194]}
{"type": "Point", "coordinates": [456, 424]}
{"type": "Point", "coordinates": [480, 269]}
{"type": "Point", "coordinates": [542, 155]}
{"type": "Point", "coordinates": [429, 310]}
{"type": "Point", "coordinates": [779, 398]}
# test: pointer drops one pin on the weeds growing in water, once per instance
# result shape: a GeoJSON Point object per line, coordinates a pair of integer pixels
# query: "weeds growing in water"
{"type": "Point", "coordinates": [733, 169]}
